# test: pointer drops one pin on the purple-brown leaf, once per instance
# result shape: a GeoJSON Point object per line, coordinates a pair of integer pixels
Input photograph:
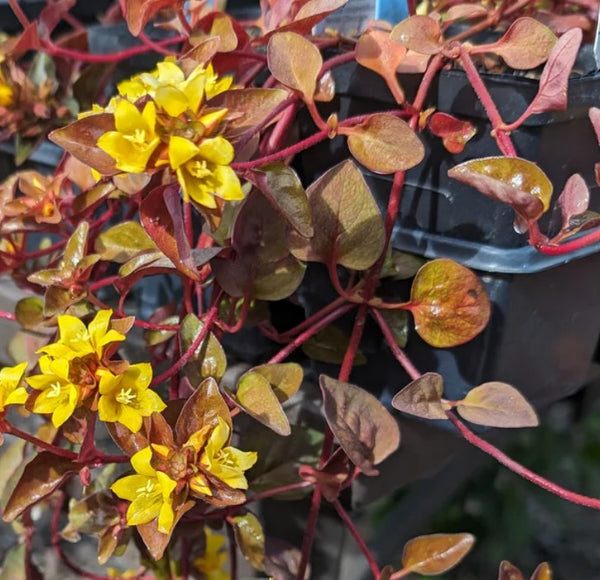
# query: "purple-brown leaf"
{"type": "Point", "coordinates": [422, 397]}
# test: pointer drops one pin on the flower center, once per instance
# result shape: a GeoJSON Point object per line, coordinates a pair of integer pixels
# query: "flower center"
{"type": "Point", "coordinates": [126, 397]}
{"type": "Point", "coordinates": [138, 139]}
{"type": "Point", "coordinates": [198, 169]}
{"type": "Point", "coordinates": [54, 390]}
{"type": "Point", "coordinates": [147, 489]}
{"type": "Point", "coordinates": [225, 458]}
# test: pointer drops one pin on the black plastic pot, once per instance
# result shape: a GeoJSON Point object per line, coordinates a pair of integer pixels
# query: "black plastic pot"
{"type": "Point", "coordinates": [546, 310]}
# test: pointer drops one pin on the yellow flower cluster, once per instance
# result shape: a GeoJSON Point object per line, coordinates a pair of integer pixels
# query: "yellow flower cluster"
{"type": "Point", "coordinates": [7, 93]}
{"type": "Point", "coordinates": [150, 491]}
{"type": "Point", "coordinates": [164, 117]}
{"type": "Point", "coordinates": [77, 370]}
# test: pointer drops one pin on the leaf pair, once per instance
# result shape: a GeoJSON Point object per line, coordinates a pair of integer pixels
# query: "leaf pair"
{"type": "Point", "coordinates": [493, 404]}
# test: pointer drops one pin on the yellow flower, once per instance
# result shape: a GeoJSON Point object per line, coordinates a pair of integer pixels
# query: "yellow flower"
{"type": "Point", "coordinates": [226, 463]}
{"type": "Point", "coordinates": [59, 395]}
{"type": "Point", "coordinates": [211, 564]}
{"type": "Point", "coordinates": [126, 398]}
{"type": "Point", "coordinates": [149, 491]}
{"type": "Point", "coordinates": [215, 85]}
{"type": "Point", "coordinates": [10, 391]}
{"type": "Point", "coordinates": [203, 170]}
{"type": "Point", "coordinates": [115, 573]}
{"type": "Point", "coordinates": [7, 94]}
{"type": "Point", "coordinates": [78, 341]}
{"type": "Point", "coordinates": [134, 140]}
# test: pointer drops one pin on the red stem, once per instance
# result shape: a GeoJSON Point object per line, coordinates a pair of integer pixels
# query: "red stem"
{"type": "Point", "coordinates": [21, 17]}
{"type": "Point", "coordinates": [358, 538]}
{"type": "Point", "coordinates": [309, 533]}
{"type": "Point", "coordinates": [517, 468]}
{"type": "Point", "coordinates": [54, 50]}
{"type": "Point", "coordinates": [313, 319]}
{"type": "Point", "coordinates": [571, 246]}
{"type": "Point", "coordinates": [406, 363]}
{"type": "Point", "coordinates": [304, 336]}
{"type": "Point", "coordinates": [502, 139]}
{"type": "Point", "coordinates": [7, 315]}
{"type": "Point", "coordinates": [8, 428]}
{"type": "Point", "coordinates": [187, 355]}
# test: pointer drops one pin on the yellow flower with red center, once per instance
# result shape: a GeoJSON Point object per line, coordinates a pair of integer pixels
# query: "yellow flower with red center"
{"type": "Point", "coordinates": [225, 462]}
{"type": "Point", "coordinates": [211, 564]}
{"type": "Point", "coordinates": [58, 395]}
{"type": "Point", "coordinates": [134, 140]}
{"type": "Point", "coordinates": [126, 398]}
{"type": "Point", "coordinates": [11, 393]}
{"type": "Point", "coordinates": [77, 340]}
{"type": "Point", "coordinates": [203, 170]}
{"type": "Point", "coordinates": [149, 491]}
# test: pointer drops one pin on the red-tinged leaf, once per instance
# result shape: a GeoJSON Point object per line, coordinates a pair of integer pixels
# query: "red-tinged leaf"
{"type": "Point", "coordinates": [80, 138]}
{"type": "Point", "coordinates": [295, 62]}
{"type": "Point", "coordinates": [250, 539]}
{"type": "Point", "coordinates": [331, 477]}
{"type": "Point", "coordinates": [436, 553]}
{"type": "Point", "coordinates": [419, 33]}
{"type": "Point", "coordinates": [306, 18]}
{"type": "Point", "coordinates": [363, 426]}
{"type": "Point", "coordinates": [156, 541]}
{"type": "Point", "coordinates": [282, 560]}
{"type": "Point", "coordinates": [254, 106]}
{"type": "Point", "coordinates": [52, 14]}
{"type": "Point", "coordinates": [222, 28]}
{"type": "Point", "coordinates": [325, 92]}
{"type": "Point", "coordinates": [448, 303]}
{"type": "Point", "coordinates": [525, 45]}
{"type": "Point", "coordinates": [254, 395]}
{"type": "Point", "coordinates": [122, 242]}
{"type": "Point", "coordinates": [139, 12]}
{"type": "Point", "coordinates": [346, 220]}
{"type": "Point", "coordinates": [511, 180]}
{"type": "Point", "coordinates": [497, 405]}
{"type": "Point", "coordinates": [202, 408]}
{"type": "Point", "coordinates": [554, 81]}
{"type": "Point", "coordinates": [203, 51]}
{"type": "Point", "coordinates": [28, 40]}
{"type": "Point", "coordinates": [384, 144]}
{"type": "Point", "coordinates": [509, 571]}
{"type": "Point", "coordinates": [465, 11]}
{"type": "Point", "coordinates": [542, 572]}
{"type": "Point", "coordinates": [454, 132]}
{"type": "Point", "coordinates": [422, 397]}
{"type": "Point", "coordinates": [574, 199]}
{"type": "Point", "coordinates": [563, 23]}
{"type": "Point", "coordinates": [594, 114]}
{"type": "Point", "coordinates": [376, 51]}
{"type": "Point", "coordinates": [44, 474]}
{"type": "Point", "coordinates": [161, 217]}
{"type": "Point", "coordinates": [283, 188]}
{"type": "Point", "coordinates": [129, 442]}
{"type": "Point", "coordinates": [386, 573]}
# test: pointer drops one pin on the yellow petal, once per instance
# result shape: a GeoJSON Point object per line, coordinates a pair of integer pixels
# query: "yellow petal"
{"type": "Point", "coordinates": [172, 100]}
{"type": "Point", "coordinates": [168, 73]}
{"type": "Point", "coordinates": [199, 485]}
{"type": "Point", "coordinates": [141, 462]}
{"type": "Point", "coordinates": [128, 487]}
{"type": "Point", "coordinates": [149, 116]}
{"type": "Point", "coordinates": [17, 397]}
{"type": "Point", "coordinates": [216, 150]}
{"type": "Point", "coordinates": [181, 151]}
{"type": "Point", "coordinates": [140, 375]}
{"type": "Point", "coordinates": [194, 188]}
{"type": "Point", "coordinates": [130, 417]}
{"type": "Point", "coordinates": [108, 409]}
{"type": "Point", "coordinates": [229, 185]}
{"type": "Point", "coordinates": [128, 118]}
{"type": "Point", "coordinates": [144, 509]}
{"type": "Point", "coordinates": [108, 383]}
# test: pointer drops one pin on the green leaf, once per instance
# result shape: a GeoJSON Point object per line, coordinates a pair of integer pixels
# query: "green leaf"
{"type": "Point", "coordinates": [295, 62]}
{"type": "Point", "coordinates": [91, 515]}
{"type": "Point", "coordinates": [497, 404]}
{"type": "Point", "coordinates": [255, 396]}
{"type": "Point", "coordinates": [44, 474]}
{"type": "Point", "coordinates": [250, 539]}
{"type": "Point", "coordinates": [422, 397]}
{"type": "Point", "coordinates": [285, 378]}
{"type": "Point", "coordinates": [122, 242]}
{"type": "Point", "coordinates": [14, 567]}
{"type": "Point", "coordinates": [436, 553]}
{"type": "Point", "coordinates": [397, 320]}
{"type": "Point", "coordinates": [364, 427]}
{"type": "Point", "coordinates": [283, 188]}
{"type": "Point", "coordinates": [448, 303]}
{"type": "Point", "coordinates": [348, 226]}
{"type": "Point", "coordinates": [401, 266]}
{"type": "Point", "coordinates": [384, 144]}
{"type": "Point", "coordinates": [209, 359]}
{"type": "Point", "coordinates": [29, 312]}
{"type": "Point", "coordinates": [329, 346]}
